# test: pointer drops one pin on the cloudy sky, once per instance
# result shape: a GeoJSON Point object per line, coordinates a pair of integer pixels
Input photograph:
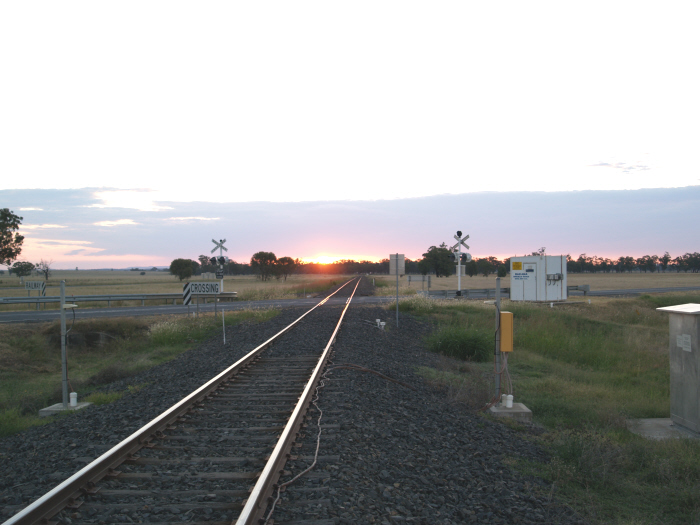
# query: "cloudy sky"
{"type": "Point", "coordinates": [134, 132]}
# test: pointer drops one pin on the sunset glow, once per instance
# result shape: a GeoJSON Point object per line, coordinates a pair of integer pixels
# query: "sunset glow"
{"type": "Point", "coordinates": [329, 259]}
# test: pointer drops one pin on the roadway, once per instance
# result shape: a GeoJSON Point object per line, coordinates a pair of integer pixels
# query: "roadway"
{"type": "Point", "coordinates": [32, 316]}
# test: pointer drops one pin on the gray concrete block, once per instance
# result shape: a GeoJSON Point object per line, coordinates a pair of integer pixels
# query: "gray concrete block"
{"type": "Point", "coordinates": [659, 428]}
{"type": "Point", "coordinates": [58, 408]}
{"type": "Point", "coordinates": [519, 412]}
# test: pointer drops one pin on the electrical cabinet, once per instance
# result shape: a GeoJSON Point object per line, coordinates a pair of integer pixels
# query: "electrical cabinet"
{"type": "Point", "coordinates": [506, 325]}
{"type": "Point", "coordinates": [684, 332]}
{"type": "Point", "coordinates": [538, 278]}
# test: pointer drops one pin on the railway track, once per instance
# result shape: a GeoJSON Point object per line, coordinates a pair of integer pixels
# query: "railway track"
{"type": "Point", "coordinates": [215, 456]}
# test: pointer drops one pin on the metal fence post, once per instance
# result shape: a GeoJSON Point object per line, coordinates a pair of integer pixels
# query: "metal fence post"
{"type": "Point", "coordinates": [397, 290]}
{"type": "Point", "coordinates": [498, 337]}
{"type": "Point", "coordinates": [64, 364]}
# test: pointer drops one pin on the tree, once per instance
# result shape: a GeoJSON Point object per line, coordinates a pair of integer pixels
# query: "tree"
{"type": "Point", "coordinates": [439, 260]}
{"type": "Point", "coordinates": [423, 267]}
{"type": "Point", "coordinates": [286, 266]}
{"type": "Point", "coordinates": [205, 264]}
{"type": "Point", "coordinates": [471, 268]}
{"type": "Point", "coordinates": [484, 267]}
{"type": "Point", "coordinates": [664, 260]}
{"type": "Point", "coordinates": [264, 264]}
{"type": "Point", "coordinates": [45, 268]}
{"type": "Point", "coordinates": [10, 240]}
{"type": "Point", "coordinates": [183, 268]}
{"type": "Point", "coordinates": [502, 270]}
{"type": "Point", "coordinates": [22, 268]}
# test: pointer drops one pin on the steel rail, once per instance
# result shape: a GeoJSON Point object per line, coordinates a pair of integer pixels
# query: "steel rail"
{"type": "Point", "coordinates": [257, 502]}
{"type": "Point", "coordinates": [83, 481]}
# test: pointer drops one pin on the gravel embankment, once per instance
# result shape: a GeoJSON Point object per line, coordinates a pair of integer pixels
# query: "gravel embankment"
{"type": "Point", "coordinates": [408, 456]}
{"type": "Point", "coordinates": [404, 455]}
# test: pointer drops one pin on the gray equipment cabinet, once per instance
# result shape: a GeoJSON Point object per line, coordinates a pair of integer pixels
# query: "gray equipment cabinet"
{"type": "Point", "coordinates": [684, 331]}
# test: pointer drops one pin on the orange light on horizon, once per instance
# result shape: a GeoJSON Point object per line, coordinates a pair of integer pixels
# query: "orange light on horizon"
{"type": "Point", "coordinates": [330, 259]}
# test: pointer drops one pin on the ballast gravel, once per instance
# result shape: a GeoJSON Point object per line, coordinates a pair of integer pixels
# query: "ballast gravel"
{"type": "Point", "coordinates": [390, 454]}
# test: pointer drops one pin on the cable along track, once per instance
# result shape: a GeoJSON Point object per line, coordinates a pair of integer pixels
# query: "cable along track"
{"type": "Point", "coordinates": [211, 457]}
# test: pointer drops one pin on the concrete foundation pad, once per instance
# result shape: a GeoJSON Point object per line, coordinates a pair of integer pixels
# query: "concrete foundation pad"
{"type": "Point", "coordinates": [519, 412]}
{"type": "Point", "coordinates": [659, 428]}
{"type": "Point", "coordinates": [59, 408]}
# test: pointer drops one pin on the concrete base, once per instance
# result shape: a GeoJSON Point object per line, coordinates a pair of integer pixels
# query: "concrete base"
{"type": "Point", "coordinates": [659, 428]}
{"type": "Point", "coordinates": [59, 408]}
{"type": "Point", "coordinates": [519, 412]}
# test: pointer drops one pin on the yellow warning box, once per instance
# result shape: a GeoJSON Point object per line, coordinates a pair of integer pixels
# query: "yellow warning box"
{"type": "Point", "coordinates": [506, 325]}
{"type": "Point", "coordinates": [517, 265]}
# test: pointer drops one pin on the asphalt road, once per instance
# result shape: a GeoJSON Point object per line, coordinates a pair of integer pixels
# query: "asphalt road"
{"type": "Point", "coordinates": [33, 316]}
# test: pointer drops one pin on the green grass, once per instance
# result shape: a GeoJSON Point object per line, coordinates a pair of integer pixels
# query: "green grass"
{"type": "Point", "coordinates": [103, 398]}
{"type": "Point", "coordinates": [584, 370]}
{"type": "Point", "coordinates": [30, 365]}
{"type": "Point", "coordinates": [466, 344]}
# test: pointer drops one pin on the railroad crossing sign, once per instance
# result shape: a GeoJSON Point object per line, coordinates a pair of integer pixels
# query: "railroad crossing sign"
{"type": "Point", "coordinates": [35, 285]}
{"type": "Point", "coordinates": [457, 249]}
{"type": "Point", "coordinates": [461, 241]}
{"type": "Point", "coordinates": [394, 259]}
{"type": "Point", "coordinates": [220, 246]}
{"type": "Point", "coordinates": [222, 249]}
{"type": "Point", "coordinates": [198, 289]}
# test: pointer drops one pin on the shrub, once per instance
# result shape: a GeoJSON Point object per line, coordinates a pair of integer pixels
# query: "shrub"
{"type": "Point", "coordinates": [462, 343]}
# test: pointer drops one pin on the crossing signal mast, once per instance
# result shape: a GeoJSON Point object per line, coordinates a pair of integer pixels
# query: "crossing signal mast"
{"type": "Point", "coordinates": [460, 258]}
{"type": "Point", "coordinates": [221, 260]}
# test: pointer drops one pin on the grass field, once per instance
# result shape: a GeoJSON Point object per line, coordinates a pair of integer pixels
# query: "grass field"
{"type": "Point", "coordinates": [30, 358]}
{"type": "Point", "coordinates": [584, 369]}
{"type": "Point", "coordinates": [598, 281]}
{"type": "Point", "coordinates": [98, 282]}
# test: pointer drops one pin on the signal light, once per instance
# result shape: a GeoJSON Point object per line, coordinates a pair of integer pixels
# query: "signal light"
{"type": "Point", "coordinates": [213, 261]}
{"type": "Point", "coordinates": [222, 261]}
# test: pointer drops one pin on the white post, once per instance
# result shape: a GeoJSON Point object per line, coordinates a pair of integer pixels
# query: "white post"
{"type": "Point", "coordinates": [459, 266]}
{"type": "Point", "coordinates": [223, 322]}
{"type": "Point", "coordinates": [64, 363]}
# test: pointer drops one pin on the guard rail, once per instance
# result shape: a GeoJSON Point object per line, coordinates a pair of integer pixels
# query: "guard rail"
{"type": "Point", "coordinates": [143, 297]}
{"type": "Point", "coordinates": [488, 292]}
{"type": "Point", "coordinates": [585, 288]}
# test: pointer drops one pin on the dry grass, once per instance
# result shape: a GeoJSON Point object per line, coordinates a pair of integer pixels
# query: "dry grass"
{"type": "Point", "coordinates": [465, 384]}
{"type": "Point", "coordinates": [624, 281]}
{"type": "Point", "coordinates": [101, 282]}
{"type": "Point", "coordinates": [598, 281]}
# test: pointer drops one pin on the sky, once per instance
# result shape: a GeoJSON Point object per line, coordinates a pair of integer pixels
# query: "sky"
{"type": "Point", "coordinates": [135, 132]}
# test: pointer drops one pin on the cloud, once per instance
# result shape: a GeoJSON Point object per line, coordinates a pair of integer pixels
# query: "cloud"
{"type": "Point", "coordinates": [193, 218]}
{"type": "Point", "coordinates": [130, 199]}
{"type": "Point", "coordinates": [40, 226]}
{"type": "Point", "coordinates": [76, 252]}
{"type": "Point", "coordinates": [31, 209]}
{"type": "Point", "coordinates": [119, 222]}
{"type": "Point", "coordinates": [626, 168]}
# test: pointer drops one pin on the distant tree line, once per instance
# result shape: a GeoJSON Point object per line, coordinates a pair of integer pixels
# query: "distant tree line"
{"type": "Point", "coordinates": [689, 262]}
{"type": "Point", "coordinates": [437, 260]}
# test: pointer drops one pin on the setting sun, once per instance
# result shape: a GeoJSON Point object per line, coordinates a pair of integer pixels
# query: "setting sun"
{"type": "Point", "coordinates": [329, 259]}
